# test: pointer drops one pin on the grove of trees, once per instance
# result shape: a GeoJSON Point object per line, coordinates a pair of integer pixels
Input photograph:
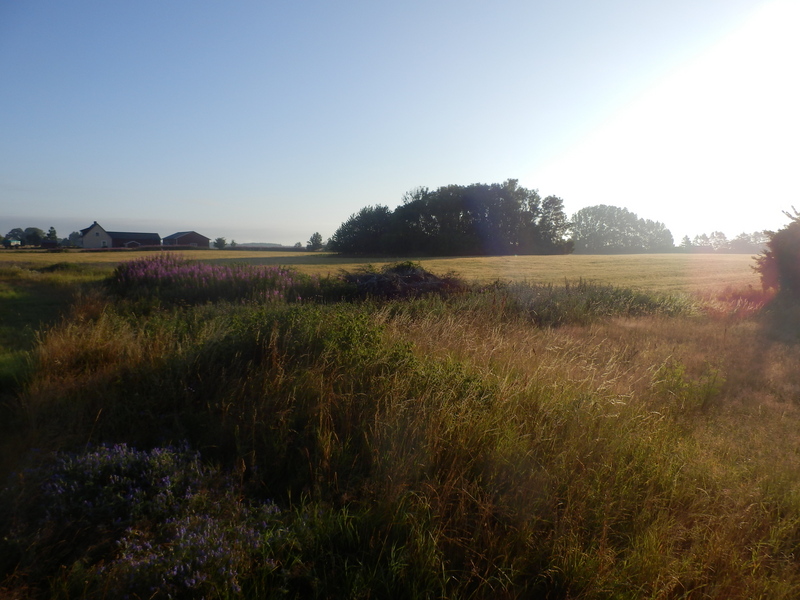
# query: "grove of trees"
{"type": "Point", "coordinates": [717, 241]}
{"type": "Point", "coordinates": [33, 236]}
{"type": "Point", "coordinates": [478, 219]}
{"type": "Point", "coordinates": [30, 236]}
{"type": "Point", "coordinates": [604, 229]}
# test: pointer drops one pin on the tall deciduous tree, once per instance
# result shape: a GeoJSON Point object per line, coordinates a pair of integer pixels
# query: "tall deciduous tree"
{"type": "Point", "coordinates": [655, 236]}
{"type": "Point", "coordinates": [315, 241]}
{"type": "Point", "coordinates": [719, 241]}
{"type": "Point", "coordinates": [220, 243]}
{"type": "Point", "coordinates": [33, 236]}
{"type": "Point", "coordinates": [16, 234]}
{"type": "Point", "coordinates": [702, 243]}
{"type": "Point", "coordinates": [553, 226]}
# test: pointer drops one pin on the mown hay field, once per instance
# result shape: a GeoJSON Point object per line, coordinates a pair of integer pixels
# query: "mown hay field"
{"type": "Point", "coordinates": [704, 273]}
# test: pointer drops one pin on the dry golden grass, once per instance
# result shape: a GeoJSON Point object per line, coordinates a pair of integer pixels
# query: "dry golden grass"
{"type": "Point", "coordinates": [714, 400]}
{"type": "Point", "coordinates": [693, 273]}
{"type": "Point", "coordinates": [650, 456]}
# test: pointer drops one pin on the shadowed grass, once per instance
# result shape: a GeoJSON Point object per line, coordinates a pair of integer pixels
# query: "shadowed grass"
{"type": "Point", "coordinates": [31, 300]}
{"type": "Point", "coordinates": [515, 441]}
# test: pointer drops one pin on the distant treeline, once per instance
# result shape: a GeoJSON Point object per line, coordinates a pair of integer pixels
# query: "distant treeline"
{"type": "Point", "coordinates": [612, 230]}
{"type": "Point", "coordinates": [33, 236]}
{"type": "Point", "coordinates": [478, 219]}
{"type": "Point", "coordinates": [744, 243]}
{"type": "Point", "coordinates": [506, 218]}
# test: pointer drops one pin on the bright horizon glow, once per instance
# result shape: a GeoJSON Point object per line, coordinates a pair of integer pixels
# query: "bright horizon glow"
{"type": "Point", "coordinates": [713, 141]}
{"type": "Point", "coordinates": [265, 122]}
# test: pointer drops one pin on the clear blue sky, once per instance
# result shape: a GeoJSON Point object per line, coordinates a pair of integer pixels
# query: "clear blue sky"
{"type": "Point", "coordinates": [268, 121]}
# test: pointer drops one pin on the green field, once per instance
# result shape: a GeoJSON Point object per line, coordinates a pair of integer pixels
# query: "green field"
{"type": "Point", "coordinates": [566, 427]}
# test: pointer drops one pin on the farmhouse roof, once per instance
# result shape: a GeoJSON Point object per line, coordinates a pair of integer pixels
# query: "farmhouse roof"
{"type": "Point", "coordinates": [83, 231]}
{"type": "Point", "coordinates": [180, 234]}
{"type": "Point", "coordinates": [129, 235]}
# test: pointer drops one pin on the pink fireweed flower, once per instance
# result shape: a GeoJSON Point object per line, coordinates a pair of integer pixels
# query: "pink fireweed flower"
{"type": "Point", "coordinates": [171, 276]}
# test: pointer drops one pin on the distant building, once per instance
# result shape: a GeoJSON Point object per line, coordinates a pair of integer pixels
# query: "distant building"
{"type": "Point", "coordinates": [95, 236]}
{"type": "Point", "coordinates": [187, 238]}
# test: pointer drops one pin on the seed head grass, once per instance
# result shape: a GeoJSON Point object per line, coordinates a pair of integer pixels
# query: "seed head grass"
{"type": "Point", "coordinates": [508, 440]}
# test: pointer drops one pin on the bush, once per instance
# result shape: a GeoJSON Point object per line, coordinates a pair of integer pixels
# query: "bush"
{"type": "Point", "coordinates": [779, 264]}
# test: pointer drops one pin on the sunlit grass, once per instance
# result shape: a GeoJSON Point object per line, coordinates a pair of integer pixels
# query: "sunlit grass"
{"type": "Point", "coordinates": [694, 273]}
{"type": "Point", "coordinates": [517, 440]}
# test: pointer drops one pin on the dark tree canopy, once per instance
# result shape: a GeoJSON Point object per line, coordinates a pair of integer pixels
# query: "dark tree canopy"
{"type": "Point", "coordinates": [365, 232]}
{"type": "Point", "coordinates": [30, 236]}
{"type": "Point", "coordinates": [33, 236]}
{"type": "Point", "coordinates": [481, 219]}
{"type": "Point", "coordinates": [16, 234]}
{"type": "Point", "coordinates": [604, 229]}
{"type": "Point", "coordinates": [779, 264]}
{"type": "Point", "coordinates": [315, 241]}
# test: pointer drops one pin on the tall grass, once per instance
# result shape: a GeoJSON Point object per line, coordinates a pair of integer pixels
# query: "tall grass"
{"type": "Point", "coordinates": [169, 277]}
{"type": "Point", "coordinates": [515, 441]}
{"type": "Point", "coordinates": [31, 299]}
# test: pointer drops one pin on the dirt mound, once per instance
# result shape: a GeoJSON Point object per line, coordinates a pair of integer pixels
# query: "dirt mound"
{"type": "Point", "coordinates": [402, 280]}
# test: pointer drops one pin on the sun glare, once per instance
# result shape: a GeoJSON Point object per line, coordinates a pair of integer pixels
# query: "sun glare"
{"type": "Point", "coordinates": [717, 136]}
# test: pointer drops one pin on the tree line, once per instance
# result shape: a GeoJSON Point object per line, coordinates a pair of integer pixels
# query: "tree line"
{"type": "Point", "coordinates": [33, 236]}
{"type": "Point", "coordinates": [718, 242]}
{"type": "Point", "coordinates": [482, 219]}
{"type": "Point", "coordinates": [506, 218]}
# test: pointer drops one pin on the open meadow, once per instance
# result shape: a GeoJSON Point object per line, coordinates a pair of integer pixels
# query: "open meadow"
{"type": "Point", "coordinates": [252, 425]}
{"type": "Point", "coordinates": [662, 272]}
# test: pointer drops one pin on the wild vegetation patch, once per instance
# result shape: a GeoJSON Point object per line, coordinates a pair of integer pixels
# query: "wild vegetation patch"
{"type": "Point", "coordinates": [402, 280]}
{"type": "Point", "coordinates": [169, 277]}
{"type": "Point", "coordinates": [134, 524]}
{"type": "Point", "coordinates": [507, 440]}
